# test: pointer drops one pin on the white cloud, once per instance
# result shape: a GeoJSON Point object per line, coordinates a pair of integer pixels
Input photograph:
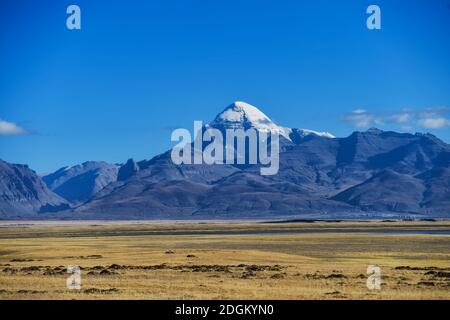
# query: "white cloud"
{"type": "Point", "coordinates": [406, 119]}
{"type": "Point", "coordinates": [10, 129]}
{"type": "Point", "coordinates": [434, 118]}
{"type": "Point", "coordinates": [434, 122]}
{"type": "Point", "coordinates": [360, 118]}
{"type": "Point", "coordinates": [404, 116]}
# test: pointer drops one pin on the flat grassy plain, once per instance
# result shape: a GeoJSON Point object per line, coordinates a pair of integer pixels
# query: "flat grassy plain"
{"type": "Point", "coordinates": [223, 260]}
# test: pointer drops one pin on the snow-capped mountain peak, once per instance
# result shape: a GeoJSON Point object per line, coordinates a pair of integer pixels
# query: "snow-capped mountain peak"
{"type": "Point", "coordinates": [241, 115]}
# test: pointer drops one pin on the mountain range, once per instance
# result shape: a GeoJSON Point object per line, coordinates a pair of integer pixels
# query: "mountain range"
{"type": "Point", "coordinates": [369, 174]}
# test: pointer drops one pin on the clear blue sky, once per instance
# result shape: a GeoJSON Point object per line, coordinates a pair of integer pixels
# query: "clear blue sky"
{"type": "Point", "coordinates": [116, 88]}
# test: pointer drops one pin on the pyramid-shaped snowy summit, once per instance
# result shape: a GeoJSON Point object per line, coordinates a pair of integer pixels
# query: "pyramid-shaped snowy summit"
{"type": "Point", "coordinates": [242, 115]}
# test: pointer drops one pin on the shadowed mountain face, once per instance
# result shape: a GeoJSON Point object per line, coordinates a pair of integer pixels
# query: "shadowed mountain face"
{"type": "Point", "coordinates": [437, 184]}
{"type": "Point", "coordinates": [385, 191]}
{"type": "Point", "coordinates": [79, 183]}
{"type": "Point", "coordinates": [368, 174]}
{"type": "Point", "coordinates": [24, 194]}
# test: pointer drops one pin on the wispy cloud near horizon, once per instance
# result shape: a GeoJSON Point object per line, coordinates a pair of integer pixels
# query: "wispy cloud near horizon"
{"type": "Point", "coordinates": [361, 118]}
{"type": "Point", "coordinates": [407, 119]}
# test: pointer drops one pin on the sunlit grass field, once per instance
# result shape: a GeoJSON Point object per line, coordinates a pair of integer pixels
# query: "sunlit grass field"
{"type": "Point", "coordinates": [145, 260]}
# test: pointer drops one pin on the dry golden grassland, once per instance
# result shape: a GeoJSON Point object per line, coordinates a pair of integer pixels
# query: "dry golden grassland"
{"type": "Point", "coordinates": [224, 260]}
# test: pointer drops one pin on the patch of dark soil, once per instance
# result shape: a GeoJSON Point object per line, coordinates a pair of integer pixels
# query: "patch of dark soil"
{"type": "Point", "coordinates": [333, 292]}
{"type": "Point", "coordinates": [248, 274]}
{"type": "Point", "coordinates": [209, 268]}
{"type": "Point", "coordinates": [421, 268]}
{"type": "Point", "coordinates": [96, 290]}
{"type": "Point", "coordinates": [92, 256]}
{"type": "Point", "coordinates": [106, 272]}
{"type": "Point", "coordinates": [336, 294]}
{"type": "Point", "coordinates": [21, 260]}
{"type": "Point", "coordinates": [30, 269]}
{"type": "Point", "coordinates": [97, 268]}
{"type": "Point", "coordinates": [336, 276]}
{"type": "Point", "coordinates": [52, 273]}
{"type": "Point", "coordinates": [318, 276]}
{"type": "Point", "coordinates": [56, 271]}
{"type": "Point", "coordinates": [31, 291]}
{"type": "Point", "coordinates": [438, 274]}
{"type": "Point", "coordinates": [254, 267]}
{"type": "Point", "coordinates": [315, 276]}
{"type": "Point", "coordinates": [426, 283]}
{"type": "Point", "coordinates": [10, 270]}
